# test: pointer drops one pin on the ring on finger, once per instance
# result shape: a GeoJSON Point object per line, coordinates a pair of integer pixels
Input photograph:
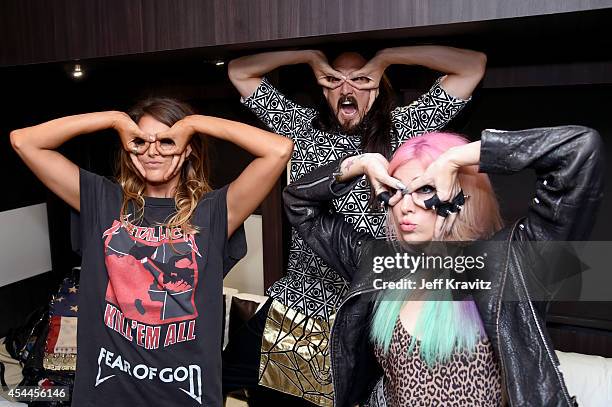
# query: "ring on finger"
{"type": "Point", "coordinates": [445, 208]}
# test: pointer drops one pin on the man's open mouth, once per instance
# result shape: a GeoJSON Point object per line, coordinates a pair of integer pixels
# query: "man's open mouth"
{"type": "Point", "coordinates": [347, 105]}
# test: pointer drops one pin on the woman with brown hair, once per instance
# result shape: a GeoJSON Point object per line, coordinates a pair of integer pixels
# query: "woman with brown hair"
{"type": "Point", "coordinates": [155, 247]}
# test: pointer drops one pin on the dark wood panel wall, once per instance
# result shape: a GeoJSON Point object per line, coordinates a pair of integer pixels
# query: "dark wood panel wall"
{"type": "Point", "coordinates": [34, 31]}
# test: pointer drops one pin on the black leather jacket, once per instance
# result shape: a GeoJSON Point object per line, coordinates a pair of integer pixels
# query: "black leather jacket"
{"type": "Point", "coordinates": [569, 166]}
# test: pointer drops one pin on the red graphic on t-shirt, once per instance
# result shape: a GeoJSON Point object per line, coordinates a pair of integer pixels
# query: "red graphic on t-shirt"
{"type": "Point", "coordinates": [152, 272]}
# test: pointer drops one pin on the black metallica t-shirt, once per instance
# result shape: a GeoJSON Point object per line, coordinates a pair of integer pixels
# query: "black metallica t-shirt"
{"type": "Point", "coordinates": [150, 301]}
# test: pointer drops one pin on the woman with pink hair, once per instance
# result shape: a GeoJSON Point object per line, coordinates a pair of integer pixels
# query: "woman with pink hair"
{"type": "Point", "coordinates": [425, 347]}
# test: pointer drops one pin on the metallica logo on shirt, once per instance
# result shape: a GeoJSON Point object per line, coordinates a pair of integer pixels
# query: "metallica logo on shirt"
{"type": "Point", "coordinates": [152, 274]}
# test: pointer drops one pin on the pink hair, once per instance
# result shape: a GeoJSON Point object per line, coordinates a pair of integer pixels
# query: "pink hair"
{"type": "Point", "coordinates": [480, 217]}
{"type": "Point", "coordinates": [425, 148]}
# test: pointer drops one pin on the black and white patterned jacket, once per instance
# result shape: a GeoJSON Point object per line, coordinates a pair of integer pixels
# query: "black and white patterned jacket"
{"type": "Point", "coordinates": [310, 286]}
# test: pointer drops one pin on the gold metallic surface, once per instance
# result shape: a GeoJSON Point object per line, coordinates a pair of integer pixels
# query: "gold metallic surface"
{"type": "Point", "coordinates": [59, 361]}
{"type": "Point", "coordinates": [295, 355]}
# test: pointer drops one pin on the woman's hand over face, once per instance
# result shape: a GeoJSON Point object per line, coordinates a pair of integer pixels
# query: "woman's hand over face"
{"type": "Point", "coordinates": [376, 167]}
{"type": "Point", "coordinates": [441, 174]}
{"type": "Point", "coordinates": [174, 142]}
{"type": "Point", "coordinates": [132, 138]}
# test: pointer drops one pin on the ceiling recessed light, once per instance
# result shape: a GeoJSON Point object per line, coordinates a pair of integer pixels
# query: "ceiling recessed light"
{"type": "Point", "coordinates": [77, 72]}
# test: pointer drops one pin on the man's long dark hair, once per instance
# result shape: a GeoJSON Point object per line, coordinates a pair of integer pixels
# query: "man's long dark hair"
{"type": "Point", "coordinates": [375, 129]}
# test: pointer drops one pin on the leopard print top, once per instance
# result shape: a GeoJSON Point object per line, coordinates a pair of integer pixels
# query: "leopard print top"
{"type": "Point", "coordinates": [466, 380]}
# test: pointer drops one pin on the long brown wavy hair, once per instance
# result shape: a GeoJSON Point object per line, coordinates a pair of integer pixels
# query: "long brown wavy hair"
{"type": "Point", "coordinates": [193, 181]}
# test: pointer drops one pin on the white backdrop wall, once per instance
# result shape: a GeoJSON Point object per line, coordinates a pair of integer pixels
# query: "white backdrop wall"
{"type": "Point", "coordinates": [24, 243]}
{"type": "Point", "coordinates": [247, 275]}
